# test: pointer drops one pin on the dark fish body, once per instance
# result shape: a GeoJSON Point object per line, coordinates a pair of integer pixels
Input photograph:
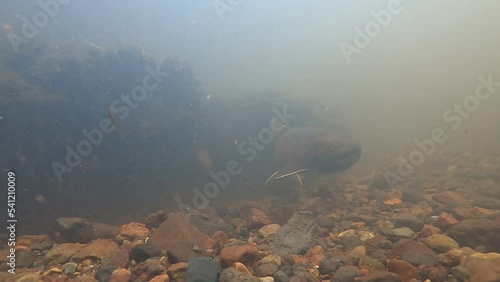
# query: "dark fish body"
{"type": "Point", "coordinates": [314, 149]}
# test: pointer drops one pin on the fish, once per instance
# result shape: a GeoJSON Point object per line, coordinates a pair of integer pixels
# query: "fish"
{"type": "Point", "coordinates": [112, 116]}
{"type": "Point", "coordinates": [311, 149]}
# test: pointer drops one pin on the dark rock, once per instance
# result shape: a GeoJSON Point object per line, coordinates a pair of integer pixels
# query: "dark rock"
{"type": "Point", "coordinates": [412, 195]}
{"type": "Point", "coordinates": [266, 269]}
{"type": "Point", "coordinates": [346, 274]}
{"type": "Point", "coordinates": [103, 231]}
{"type": "Point", "coordinates": [349, 239]}
{"type": "Point", "coordinates": [70, 230]}
{"type": "Point", "coordinates": [70, 268]}
{"type": "Point", "coordinates": [403, 268]}
{"type": "Point", "coordinates": [409, 220]}
{"type": "Point", "coordinates": [62, 252]}
{"type": "Point", "coordinates": [362, 214]}
{"type": "Point", "coordinates": [460, 272]}
{"type": "Point", "coordinates": [477, 232]}
{"type": "Point", "coordinates": [118, 259]}
{"type": "Point", "coordinates": [203, 270]}
{"type": "Point", "coordinates": [46, 245]}
{"type": "Point", "coordinates": [325, 221]}
{"type": "Point", "coordinates": [287, 269]}
{"type": "Point", "coordinates": [24, 259]}
{"type": "Point", "coordinates": [155, 219]}
{"type": "Point", "coordinates": [210, 227]}
{"type": "Point", "coordinates": [435, 273]}
{"type": "Point", "coordinates": [280, 276]}
{"type": "Point", "coordinates": [297, 235]}
{"type": "Point", "coordinates": [330, 264]}
{"type": "Point", "coordinates": [449, 197]}
{"type": "Point", "coordinates": [384, 227]}
{"type": "Point", "coordinates": [417, 258]}
{"type": "Point", "coordinates": [413, 252]}
{"type": "Point", "coordinates": [143, 252]}
{"type": "Point", "coordinates": [488, 202]}
{"type": "Point", "coordinates": [183, 252]}
{"type": "Point", "coordinates": [177, 229]}
{"type": "Point", "coordinates": [99, 249]}
{"type": "Point", "coordinates": [382, 276]}
{"type": "Point", "coordinates": [303, 276]}
{"type": "Point", "coordinates": [104, 274]}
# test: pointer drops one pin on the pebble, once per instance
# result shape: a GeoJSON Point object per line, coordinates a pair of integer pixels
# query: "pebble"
{"type": "Point", "coordinates": [434, 273]}
{"type": "Point", "coordinates": [178, 271]}
{"type": "Point", "coordinates": [414, 252]}
{"type": "Point", "coordinates": [315, 255]}
{"type": "Point", "coordinates": [440, 243]}
{"type": "Point", "coordinates": [346, 273]}
{"type": "Point", "coordinates": [231, 275]}
{"type": "Point", "coordinates": [397, 234]}
{"type": "Point", "coordinates": [403, 268]}
{"type": "Point", "coordinates": [266, 269]}
{"type": "Point", "coordinates": [269, 230]}
{"type": "Point", "coordinates": [258, 219]}
{"type": "Point", "coordinates": [393, 202]}
{"type": "Point", "coordinates": [477, 232]}
{"type": "Point", "coordinates": [160, 278]}
{"type": "Point", "coordinates": [349, 239]}
{"type": "Point", "coordinates": [62, 253]}
{"type": "Point", "coordinates": [409, 220]}
{"type": "Point", "coordinates": [99, 249]}
{"type": "Point", "coordinates": [272, 258]}
{"type": "Point", "coordinates": [242, 268]}
{"type": "Point", "coordinates": [245, 254]}
{"type": "Point", "coordinates": [155, 219]}
{"type": "Point", "coordinates": [428, 230]}
{"type": "Point", "coordinates": [69, 268]}
{"type": "Point", "coordinates": [453, 257]}
{"type": "Point", "coordinates": [381, 276]}
{"type": "Point", "coordinates": [445, 221]}
{"type": "Point", "coordinates": [484, 267]}
{"type": "Point", "coordinates": [104, 274]}
{"type": "Point", "coordinates": [120, 275]}
{"type": "Point", "coordinates": [330, 264]}
{"type": "Point", "coordinates": [132, 232]}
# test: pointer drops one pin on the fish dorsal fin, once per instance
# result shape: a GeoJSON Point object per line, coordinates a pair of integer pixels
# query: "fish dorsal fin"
{"type": "Point", "coordinates": [288, 171]}
{"type": "Point", "coordinates": [277, 126]}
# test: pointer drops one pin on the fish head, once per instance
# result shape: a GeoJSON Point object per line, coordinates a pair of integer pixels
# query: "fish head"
{"type": "Point", "coordinates": [334, 154]}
